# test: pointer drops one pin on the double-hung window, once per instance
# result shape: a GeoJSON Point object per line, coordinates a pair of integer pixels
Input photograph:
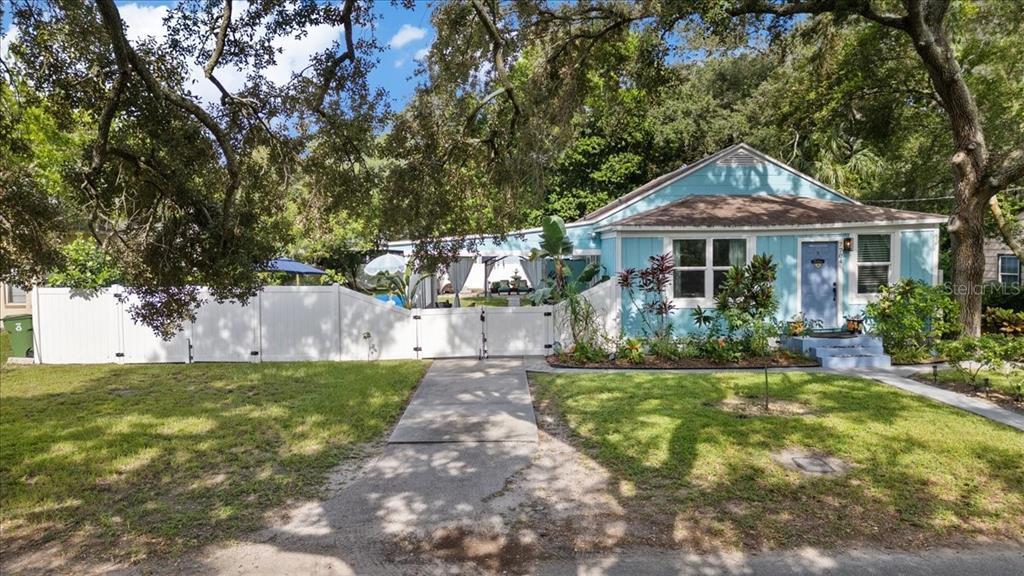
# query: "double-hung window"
{"type": "Point", "coordinates": [1009, 269]}
{"type": "Point", "coordinates": [701, 264]}
{"type": "Point", "coordinates": [874, 257]}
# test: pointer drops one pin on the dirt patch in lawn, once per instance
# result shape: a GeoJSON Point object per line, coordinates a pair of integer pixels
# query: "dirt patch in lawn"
{"type": "Point", "coordinates": [994, 395]}
{"type": "Point", "coordinates": [782, 359]}
{"type": "Point", "coordinates": [748, 407]}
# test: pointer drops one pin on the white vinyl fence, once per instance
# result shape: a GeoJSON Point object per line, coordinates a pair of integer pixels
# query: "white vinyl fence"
{"type": "Point", "coordinates": [289, 323]}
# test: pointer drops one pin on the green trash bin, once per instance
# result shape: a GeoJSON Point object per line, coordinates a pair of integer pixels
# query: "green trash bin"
{"type": "Point", "coordinates": [19, 327]}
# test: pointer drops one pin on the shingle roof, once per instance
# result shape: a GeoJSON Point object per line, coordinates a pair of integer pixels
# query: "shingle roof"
{"type": "Point", "coordinates": [766, 211]}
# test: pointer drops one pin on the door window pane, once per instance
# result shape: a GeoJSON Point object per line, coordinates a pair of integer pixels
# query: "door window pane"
{"type": "Point", "coordinates": [690, 252]}
{"type": "Point", "coordinates": [871, 277]}
{"type": "Point", "coordinates": [688, 284]}
{"type": "Point", "coordinates": [727, 252]}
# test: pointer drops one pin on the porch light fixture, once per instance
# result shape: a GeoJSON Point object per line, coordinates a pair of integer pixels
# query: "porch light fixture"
{"type": "Point", "coordinates": [847, 244]}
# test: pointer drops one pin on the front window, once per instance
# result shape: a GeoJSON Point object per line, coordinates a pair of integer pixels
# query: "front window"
{"type": "Point", "coordinates": [700, 265]}
{"type": "Point", "coordinates": [1009, 269]}
{"type": "Point", "coordinates": [874, 256]}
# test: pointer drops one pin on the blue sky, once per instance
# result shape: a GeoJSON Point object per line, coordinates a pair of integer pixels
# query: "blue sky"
{"type": "Point", "coordinates": [405, 34]}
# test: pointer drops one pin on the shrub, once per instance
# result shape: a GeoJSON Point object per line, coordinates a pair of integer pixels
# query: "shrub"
{"type": "Point", "coordinates": [1009, 297]}
{"type": "Point", "coordinates": [746, 304]}
{"type": "Point", "coordinates": [85, 267]}
{"type": "Point", "coordinates": [1003, 321]}
{"type": "Point", "coordinates": [632, 350]}
{"type": "Point", "coordinates": [971, 356]}
{"type": "Point", "coordinates": [910, 316]}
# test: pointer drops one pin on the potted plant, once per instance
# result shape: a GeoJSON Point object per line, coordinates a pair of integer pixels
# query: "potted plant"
{"type": "Point", "coordinates": [855, 323]}
{"type": "Point", "coordinates": [796, 325]}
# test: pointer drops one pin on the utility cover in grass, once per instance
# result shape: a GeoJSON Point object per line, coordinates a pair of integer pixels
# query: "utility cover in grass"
{"type": "Point", "coordinates": [810, 463]}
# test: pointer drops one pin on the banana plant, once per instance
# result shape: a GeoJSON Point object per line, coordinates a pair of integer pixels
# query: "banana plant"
{"type": "Point", "coordinates": [556, 245]}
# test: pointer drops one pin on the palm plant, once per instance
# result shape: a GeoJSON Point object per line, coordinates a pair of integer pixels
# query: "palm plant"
{"type": "Point", "coordinates": [403, 285]}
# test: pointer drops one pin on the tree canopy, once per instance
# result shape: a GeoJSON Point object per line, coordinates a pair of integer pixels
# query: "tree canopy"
{"type": "Point", "coordinates": [523, 108]}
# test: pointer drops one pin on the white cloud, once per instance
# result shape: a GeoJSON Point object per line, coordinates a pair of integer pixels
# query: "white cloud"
{"type": "Point", "coordinates": [400, 62]}
{"type": "Point", "coordinates": [293, 54]}
{"type": "Point", "coordinates": [407, 34]}
{"type": "Point", "coordinates": [5, 42]}
{"type": "Point", "coordinates": [421, 54]}
{"type": "Point", "coordinates": [142, 21]}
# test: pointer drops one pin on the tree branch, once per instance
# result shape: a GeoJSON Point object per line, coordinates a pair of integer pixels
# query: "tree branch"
{"type": "Point", "coordinates": [124, 54]}
{"type": "Point", "coordinates": [335, 62]}
{"type": "Point", "coordinates": [862, 7]}
{"type": "Point", "coordinates": [498, 50]}
{"type": "Point", "coordinates": [1008, 172]}
{"type": "Point", "coordinates": [1004, 228]}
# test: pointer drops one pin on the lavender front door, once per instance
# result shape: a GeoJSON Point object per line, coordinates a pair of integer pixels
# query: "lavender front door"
{"type": "Point", "coordinates": [819, 274]}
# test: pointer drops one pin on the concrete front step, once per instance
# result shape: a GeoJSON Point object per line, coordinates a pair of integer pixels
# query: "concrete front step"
{"type": "Point", "coordinates": [852, 361]}
{"type": "Point", "coordinates": [804, 344]}
{"type": "Point", "coordinates": [824, 351]}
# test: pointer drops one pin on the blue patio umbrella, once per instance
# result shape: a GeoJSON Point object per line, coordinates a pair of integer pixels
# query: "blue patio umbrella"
{"type": "Point", "coordinates": [291, 267]}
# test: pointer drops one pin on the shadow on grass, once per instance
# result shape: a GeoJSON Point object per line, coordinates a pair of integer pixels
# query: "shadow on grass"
{"type": "Point", "coordinates": [124, 461]}
{"type": "Point", "coordinates": [922, 473]}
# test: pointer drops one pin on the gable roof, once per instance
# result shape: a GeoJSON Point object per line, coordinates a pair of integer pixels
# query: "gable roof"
{"type": "Point", "coordinates": [740, 154]}
{"type": "Point", "coordinates": [768, 211]}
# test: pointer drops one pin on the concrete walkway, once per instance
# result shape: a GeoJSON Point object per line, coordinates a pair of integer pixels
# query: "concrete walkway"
{"type": "Point", "coordinates": [972, 404]}
{"type": "Point", "coordinates": [470, 401]}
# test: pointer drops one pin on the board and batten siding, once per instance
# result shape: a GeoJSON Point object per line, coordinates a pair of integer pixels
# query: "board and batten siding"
{"type": "Point", "coordinates": [783, 250]}
{"type": "Point", "coordinates": [918, 249]}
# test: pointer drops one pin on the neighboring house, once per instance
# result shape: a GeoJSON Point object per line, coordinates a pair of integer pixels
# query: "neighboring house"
{"type": "Point", "coordinates": [833, 253]}
{"type": "Point", "coordinates": [14, 300]}
{"type": "Point", "coordinates": [1000, 263]}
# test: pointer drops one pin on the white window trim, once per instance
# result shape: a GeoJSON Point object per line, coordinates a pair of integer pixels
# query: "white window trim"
{"type": "Point", "coordinates": [999, 266]}
{"type": "Point", "coordinates": [708, 301]}
{"type": "Point", "coordinates": [894, 264]}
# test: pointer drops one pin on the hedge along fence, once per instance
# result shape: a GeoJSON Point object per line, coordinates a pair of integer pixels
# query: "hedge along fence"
{"type": "Point", "coordinates": [294, 323]}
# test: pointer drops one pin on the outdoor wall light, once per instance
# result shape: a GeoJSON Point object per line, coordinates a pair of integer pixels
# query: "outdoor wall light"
{"type": "Point", "coordinates": [847, 244]}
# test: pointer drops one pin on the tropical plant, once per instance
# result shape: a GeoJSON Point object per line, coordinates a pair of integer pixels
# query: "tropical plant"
{"type": "Point", "coordinates": [1003, 321]}
{"type": "Point", "coordinates": [632, 350]}
{"type": "Point", "coordinates": [404, 285]}
{"type": "Point", "coordinates": [647, 290]}
{"type": "Point", "coordinates": [565, 287]}
{"type": "Point", "coordinates": [911, 316]}
{"type": "Point", "coordinates": [746, 303]}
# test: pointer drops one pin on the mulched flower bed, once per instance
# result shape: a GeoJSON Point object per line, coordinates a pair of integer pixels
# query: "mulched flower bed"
{"type": "Point", "coordinates": [778, 360]}
{"type": "Point", "coordinates": [995, 396]}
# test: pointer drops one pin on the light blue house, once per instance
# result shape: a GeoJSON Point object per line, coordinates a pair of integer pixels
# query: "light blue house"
{"type": "Point", "coordinates": [833, 253]}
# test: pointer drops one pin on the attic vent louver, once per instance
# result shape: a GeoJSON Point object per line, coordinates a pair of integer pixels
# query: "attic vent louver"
{"type": "Point", "coordinates": [740, 158]}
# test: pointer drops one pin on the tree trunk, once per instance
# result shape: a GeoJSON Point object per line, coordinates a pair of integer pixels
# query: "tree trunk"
{"type": "Point", "coordinates": [968, 235]}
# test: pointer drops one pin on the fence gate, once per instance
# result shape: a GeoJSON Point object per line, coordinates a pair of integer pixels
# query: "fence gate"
{"type": "Point", "coordinates": [449, 332]}
{"type": "Point", "coordinates": [525, 331]}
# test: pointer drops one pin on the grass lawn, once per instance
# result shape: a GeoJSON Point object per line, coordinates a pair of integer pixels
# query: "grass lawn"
{"type": "Point", "coordinates": [499, 301]}
{"type": "Point", "coordinates": [923, 474]}
{"type": "Point", "coordinates": [122, 462]}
